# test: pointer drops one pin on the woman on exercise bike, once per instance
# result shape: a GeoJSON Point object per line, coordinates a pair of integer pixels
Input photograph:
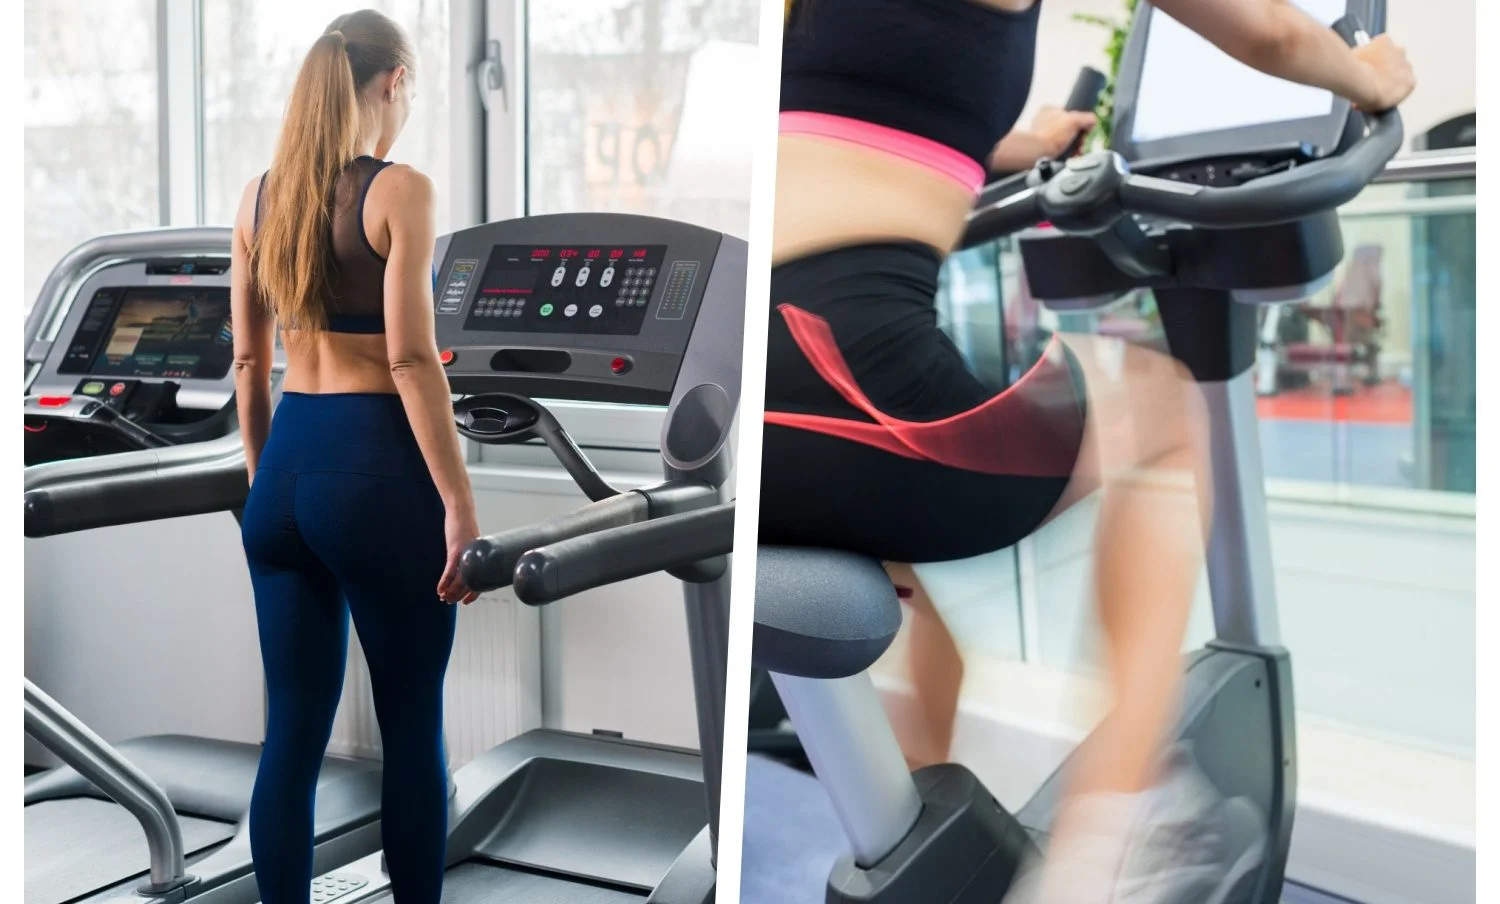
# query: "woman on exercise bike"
{"type": "Point", "coordinates": [892, 113]}
{"type": "Point", "coordinates": [359, 501]}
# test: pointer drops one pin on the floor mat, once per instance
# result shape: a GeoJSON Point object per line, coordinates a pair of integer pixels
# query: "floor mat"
{"type": "Point", "coordinates": [792, 836]}
{"type": "Point", "coordinates": [78, 845]}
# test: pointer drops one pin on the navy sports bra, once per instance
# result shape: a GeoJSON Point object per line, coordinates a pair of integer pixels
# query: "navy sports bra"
{"type": "Point", "coordinates": [357, 302]}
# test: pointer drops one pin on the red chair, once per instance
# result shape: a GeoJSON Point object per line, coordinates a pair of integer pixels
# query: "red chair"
{"type": "Point", "coordinates": [1353, 322]}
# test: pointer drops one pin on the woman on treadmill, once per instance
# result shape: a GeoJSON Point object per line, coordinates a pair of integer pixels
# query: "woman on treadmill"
{"type": "Point", "coordinates": [891, 111]}
{"type": "Point", "coordinates": [359, 502]}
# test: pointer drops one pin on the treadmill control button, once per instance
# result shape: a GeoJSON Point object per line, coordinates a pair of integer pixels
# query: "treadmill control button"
{"type": "Point", "coordinates": [446, 356]}
{"type": "Point", "coordinates": [93, 387]}
{"type": "Point", "coordinates": [117, 389]}
{"type": "Point", "coordinates": [1091, 162]}
{"type": "Point", "coordinates": [620, 366]}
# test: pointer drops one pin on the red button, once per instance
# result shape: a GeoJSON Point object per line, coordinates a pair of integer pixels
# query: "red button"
{"type": "Point", "coordinates": [117, 389]}
{"type": "Point", "coordinates": [447, 356]}
{"type": "Point", "coordinates": [54, 401]}
{"type": "Point", "coordinates": [620, 365]}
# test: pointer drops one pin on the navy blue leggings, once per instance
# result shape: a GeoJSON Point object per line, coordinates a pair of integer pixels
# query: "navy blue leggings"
{"type": "Point", "coordinates": [342, 519]}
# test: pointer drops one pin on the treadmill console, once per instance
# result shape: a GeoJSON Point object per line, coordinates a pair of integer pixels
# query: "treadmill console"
{"type": "Point", "coordinates": [175, 332]}
{"type": "Point", "coordinates": [142, 357]}
{"type": "Point", "coordinates": [591, 307]}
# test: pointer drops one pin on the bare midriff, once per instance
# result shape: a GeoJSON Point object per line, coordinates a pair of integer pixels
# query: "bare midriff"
{"type": "Point", "coordinates": [336, 362]}
{"type": "Point", "coordinates": [833, 194]}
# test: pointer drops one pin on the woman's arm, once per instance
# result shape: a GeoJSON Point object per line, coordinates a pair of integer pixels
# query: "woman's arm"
{"type": "Point", "coordinates": [254, 337]}
{"type": "Point", "coordinates": [1051, 134]}
{"type": "Point", "coordinates": [411, 341]}
{"type": "Point", "coordinates": [1279, 39]}
{"type": "Point", "coordinates": [411, 347]}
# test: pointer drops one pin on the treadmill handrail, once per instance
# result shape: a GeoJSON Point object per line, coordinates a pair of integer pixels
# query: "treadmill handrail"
{"type": "Point", "coordinates": [92, 757]}
{"type": "Point", "coordinates": [102, 467]}
{"type": "Point", "coordinates": [151, 243]}
{"type": "Point", "coordinates": [220, 485]}
{"type": "Point", "coordinates": [489, 562]}
{"type": "Point", "coordinates": [581, 563]}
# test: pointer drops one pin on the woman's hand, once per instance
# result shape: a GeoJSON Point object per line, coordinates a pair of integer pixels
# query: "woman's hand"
{"type": "Point", "coordinates": [460, 528]}
{"type": "Point", "coordinates": [1051, 134]}
{"type": "Point", "coordinates": [1391, 79]}
{"type": "Point", "coordinates": [1057, 129]}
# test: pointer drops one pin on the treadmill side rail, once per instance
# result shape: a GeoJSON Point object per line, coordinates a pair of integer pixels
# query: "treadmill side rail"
{"type": "Point", "coordinates": [75, 744]}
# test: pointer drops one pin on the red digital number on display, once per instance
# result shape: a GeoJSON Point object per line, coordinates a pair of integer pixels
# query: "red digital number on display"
{"type": "Point", "coordinates": [568, 252]}
{"type": "Point", "coordinates": [640, 252]}
{"type": "Point", "coordinates": [593, 254]}
{"type": "Point", "coordinates": [542, 252]}
{"type": "Point", "coordinates": [618, 252]}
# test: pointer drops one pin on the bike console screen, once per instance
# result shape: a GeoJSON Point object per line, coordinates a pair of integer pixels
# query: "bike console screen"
{"type": "Point", "coordinates": [570, 289]}
{"type": "Point", "coordinates": [154, 331]}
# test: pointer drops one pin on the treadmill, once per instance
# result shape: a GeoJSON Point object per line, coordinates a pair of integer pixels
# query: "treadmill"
{"type": "Point", "coordinates": [129, 417]}
{"type": "Point", "coordinates": [596, 308]}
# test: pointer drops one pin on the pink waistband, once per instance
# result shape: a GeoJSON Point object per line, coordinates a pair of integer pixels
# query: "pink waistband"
{"type": "Point", "coordinates": [939, 158]}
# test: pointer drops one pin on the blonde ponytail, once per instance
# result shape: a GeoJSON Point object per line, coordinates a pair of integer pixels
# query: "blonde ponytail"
{"type": "Point", "coordinates": [291, 257]}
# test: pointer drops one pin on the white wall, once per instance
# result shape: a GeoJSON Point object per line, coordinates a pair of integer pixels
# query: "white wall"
{"type": "Point", "coordinates": [1439, 35]}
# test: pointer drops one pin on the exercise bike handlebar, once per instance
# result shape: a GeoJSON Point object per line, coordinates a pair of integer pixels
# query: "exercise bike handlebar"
{"type": "Point", "coordinates": [1278, 198]}
{"type": "Point", "coordinates": [581, 563]}
{"type": "Point", "coordinates": [1092, 193]}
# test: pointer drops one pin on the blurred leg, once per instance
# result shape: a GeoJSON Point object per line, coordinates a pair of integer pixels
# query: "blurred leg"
{"type": "Point", "coordinates": [936, 669]}
{"type": "Point", "coordinates": [1140, 450]}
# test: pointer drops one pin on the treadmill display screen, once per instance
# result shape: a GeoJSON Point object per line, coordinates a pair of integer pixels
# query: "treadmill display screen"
{"type": "Point", "coordinates": [1190, 87]}
{"type": "Point", "coordinates": [157, 331]}
{"type": "Point", "coordinates": [569, 289]}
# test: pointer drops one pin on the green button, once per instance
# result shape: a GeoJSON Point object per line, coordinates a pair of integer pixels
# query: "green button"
{"type": "Point", "coordinates": [546, 310]}
{"type": "Point", "coordinates": [93, 388]}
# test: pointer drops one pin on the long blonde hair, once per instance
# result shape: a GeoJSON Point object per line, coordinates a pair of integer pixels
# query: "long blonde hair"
{"type": "Point", "coordinates": [291, 256]}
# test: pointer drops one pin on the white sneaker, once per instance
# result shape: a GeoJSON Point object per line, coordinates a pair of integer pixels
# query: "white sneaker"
{"type": "Point", "coordinates": [1165, 845]}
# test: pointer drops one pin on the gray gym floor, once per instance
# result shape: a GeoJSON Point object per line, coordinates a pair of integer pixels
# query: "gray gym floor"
{"type": "Point", "coordinates": [792, 838]}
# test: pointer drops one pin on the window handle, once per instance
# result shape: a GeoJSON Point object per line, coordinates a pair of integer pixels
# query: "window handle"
{"type": "Point", "coordinates": [489, 76]}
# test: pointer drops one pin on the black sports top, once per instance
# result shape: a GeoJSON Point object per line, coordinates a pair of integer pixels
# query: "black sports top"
{"type": "Point", "coordinates": [949, 71]}
{"type": "Point", "coordinates": [357, 302]}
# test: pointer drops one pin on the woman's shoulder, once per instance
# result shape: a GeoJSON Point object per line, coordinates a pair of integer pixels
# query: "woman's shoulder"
{"type": "Point", "coordinates": [249, 196]}
{"type": "Point", "coordinates": [401, 194]}
{"type": "Point", "coordinates": [404, 179]}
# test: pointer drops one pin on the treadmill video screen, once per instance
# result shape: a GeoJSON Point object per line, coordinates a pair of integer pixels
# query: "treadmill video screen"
{"type": "Point", "coordinates": [167, 332]}
{"type": "Point", "coordinates": [572, 289]}
{"type": "Point", "coordinates": [1190, 87]}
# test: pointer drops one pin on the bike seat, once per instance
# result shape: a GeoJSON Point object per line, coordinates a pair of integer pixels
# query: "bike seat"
{"type": "Point", "coordinates": [821, 613]}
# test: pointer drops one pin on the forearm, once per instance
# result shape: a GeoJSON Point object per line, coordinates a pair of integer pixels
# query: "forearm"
{"type": "Point", "coordinates": [252, 392]}
{"type": "Point", "coordinates": [1017, 151]}
{"type": "Point", "coordinates": [429, 408]}
{"type": "Point", "coordinates": [1279, 39]}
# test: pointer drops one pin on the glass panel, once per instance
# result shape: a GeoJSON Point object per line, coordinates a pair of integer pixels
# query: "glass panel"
{"type": "Point", "coordinates": [91, 142]}
{"type": "Point", "coordinates": [1371, 383]}
{"type": "Point", "coordinates": [252, 52]}
{"type": "Point", "coordinates": [637, 105]}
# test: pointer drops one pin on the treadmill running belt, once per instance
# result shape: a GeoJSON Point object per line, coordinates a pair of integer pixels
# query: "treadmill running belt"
{"type": "Point", "coordinates": [79, 845]}
{"type": "Point", "coordinates": [481, 883]}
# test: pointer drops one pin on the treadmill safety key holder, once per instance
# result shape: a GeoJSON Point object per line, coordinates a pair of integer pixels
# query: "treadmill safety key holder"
{"type": "Point", "coordinates": [333, 886]}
